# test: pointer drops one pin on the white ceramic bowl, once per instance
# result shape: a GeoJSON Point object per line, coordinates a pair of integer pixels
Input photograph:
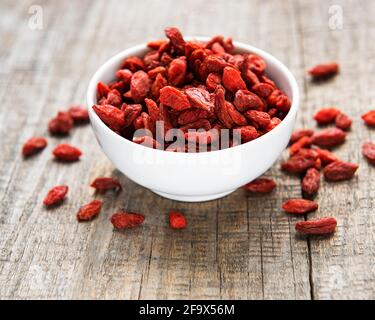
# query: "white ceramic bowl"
{"type": "Point", "coordinates": [203, 176]}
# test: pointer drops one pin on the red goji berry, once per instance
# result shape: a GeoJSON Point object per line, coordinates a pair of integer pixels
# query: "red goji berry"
{"type": "Point", "coordinates": [126, 220]}
{"type": "Point", "coordinates": [177, 220]}
{"type": "Point", "coordinates": [232, 80]}
{"type": "Point", "coordinates": [329, 138]}
{"type": "Point", "coordinates": [326, 115]}
{"type": "Point", "coordinates": [260, 185]}
{"type": "Point", "coordinates": [102, 184]}
{"type": "Point", "coordinates": [317, 227]}
{"type": "Point", "coordinates": [89, 211]}
{"type": "Point", "coordinates": [79, 114]}
{"type": "Point", "coordinates": [325, 156]}
{"type": "Point", "coordinates": [369, 118]}
{"type": "Point", "coordinates": [258, 118]}
{"type": "Point", "coordinates": [200, 98]}
{"type": "Point", "coordinates": [111, 116]}
{"type": "Point", "coordinates": [139, 85]}
{"type": "Point", "coordinates": [322, 71]}
{"type": "Point", "coordinates": [298, 134]}
{"type": "Point", "coordinates": [301, 161]}
{"type": "Point", "coordinates": [339, 170]}
{"type": "Point", "coordinates": [56, 195]}
{"type": "Point", "coordinates": [174, 98]}
{"type": "Point", "coordinates": [343, 122]}
{"type": "Point", "coordinates": [304, 142]}
{"type": "Point", "coordinates": [299, 206]}
{"type": "Point", "coordinates": [61, 124]}
{"type": "Point", "coordinates": [368, 150]}
{"type": "Point", "coordinates": [311, 182]}
{"type": "Point", "coordinates": [177, 72]}
{"type": "Point", "coordinates": [66, 152]}
{"type": "Point", "coordinates": [33, 145]}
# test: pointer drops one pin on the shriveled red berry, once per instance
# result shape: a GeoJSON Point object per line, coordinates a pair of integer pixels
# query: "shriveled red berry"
{"type": "Point", "coordinates": [322, 226]}
{"type": "Point", "coordinates": [200, 98]}
{"type": "Point", "coordinates": [325, 156]}
{"type": "Point", "coordinates": [329, 138]}
{"type": "Point", "coordinates": [33, 145]}
{"type": "Point", "coordinates": [61, 124]}
{"type": "Point", "coordinates": [56, 195]}
{"type": "Point", "coordinates": [126, 220]}
{"type": "Point", "coordinates": [102, 184]}
{"type": "Point", "coordinates": [311, 182]}
{"type": "Point", "coordinates": [232, 80]}
{"type": "Point", "coordinates": [177, 220]}
{"type": "Point", "coordinates": [79, 114]}
{"type": "Point", "coordinates": [111, 116]}
{"type": "Point", "coordinates": [322, 71]}
{"type": "Point", "coordinates": [260, 185]}
{"type": "Point", "coordinates": [369, 118]}
{"type": "Point", "coordinates": [340, 170]}
{"type": "Point", "coordinates": [299, 206]}
{"type": "Point", "coordinates": [66, 152]}
{"type": "Point", "coordinates": [343, 122]}
{"type": "Point", "coordinates": [258, 118]}
{"type": "Point", "coordinates": [304, 142]}
{"type": "Point", "coordinates": [326, 115]}
{"type": "Point", "coordinates": [89, 211]}
{"type": "Point", "coordinates": [174, 98]}
{"type": "Point", "coordinates": [301, 161]}
{"type": "Point", "coordinates": [140, 85]}
{"type": "Point", "coordinates": [298, 134]}
{"type": "Point", "coordinates": [368, 150]}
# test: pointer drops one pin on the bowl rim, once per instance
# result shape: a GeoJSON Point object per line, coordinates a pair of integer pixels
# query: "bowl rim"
{"type": "Point", "coordinates": [117, 58]}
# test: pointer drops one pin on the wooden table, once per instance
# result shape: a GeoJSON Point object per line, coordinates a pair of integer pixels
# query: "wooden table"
{"type": "Point", "coordinates": [239, 247]}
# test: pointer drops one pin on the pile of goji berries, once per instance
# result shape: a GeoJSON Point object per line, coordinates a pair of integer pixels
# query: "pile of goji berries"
{"type": "Point", "coordinates": [191, 85]}
{"type": "Point", "coordinates": [310, 154]}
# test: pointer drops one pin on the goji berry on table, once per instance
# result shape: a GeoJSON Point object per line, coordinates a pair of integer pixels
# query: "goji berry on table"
{"type": "Point", "coordinates": [66, 152]}
{"type": "Point", "coordinates": [339, 170]}
{"type": "Point", "coordinates": [299, 206]}
{"type": "Point", "coordinates": [33, 145]}
{"type": "Point", "coordinates": [310, 182]}
{"type": "Point", "coordinates": [322, 71]}
{"type": "Point", "coordinates": [56, 195]}
{"type": "Point", "coordinates": [102, 184]}
{"type": "Point", "coordinates": [326, 115]}
{"type": "Point", "coordinates": [369, 118]}
{"type": "Point", "coordinates": [89, 211]}
{"type": "Point", "coordinates": [301, 161]}
{"type": "Point", "coordinates": [329, 138]}
{"type": "Point", "coordinates": [321, 226]}
{"type": "Point", "coordinates": [298, 134]}
{"type": "Point", "coordinates": [343, 122]}
{"type": "Point", "coordinates": [79, 114]}
{"type": "Point", "coordinates": [61, 124]}
{"type": "Point", "coordinates": [177, 220]}
{"type": "Point", "coordinates": [368, 150]}
{"type": "Point", "coordinates": [126, 220]}
{"type": "Point", "coordinates": [260, 185]}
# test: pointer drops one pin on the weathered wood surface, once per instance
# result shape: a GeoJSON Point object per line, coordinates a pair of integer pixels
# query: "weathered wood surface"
{"type": "Point", "coordinates": [238, 247]}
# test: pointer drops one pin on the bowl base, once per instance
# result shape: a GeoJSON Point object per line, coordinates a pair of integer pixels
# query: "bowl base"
{"type": "Point", "coordinates": [193, 198]}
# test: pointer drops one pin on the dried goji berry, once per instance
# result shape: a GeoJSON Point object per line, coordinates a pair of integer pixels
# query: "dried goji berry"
{"type": "Point", "coordinates": [213, 80]}
{"type": "Point", "coordinates": [326, 115]}
{"type": "Point", "coordinates": [147, 142]}
{"type": "Point", "coordinates": [102, 184]}
{"type": "Point", "coordinates": [260, 185]}
{"type": "Point", "coordinates": [301, 161]}
{"type": "Point", "coordinates": [192, 115]}
{"type": "Point", "coordinates": [339, 170]}
{"type": "Point", "coordinates": [66, 152]}
{"type": "Point", "coordinates": [33, 145]}
{"type": "Point", "coordinates": [111, 116]}
{"type": "Point", "coordinates": [79, 114]}
{"type": "Point", "coordinates": [214, 64]}
{"type": "Point", "coordinates": [200, 98]}
{"type": "Point", "coordinates": [322, 71]}
{"type": "Point", "coordinates": [56, 195]}
{"type": "Point", "coordinates": [177, 71]}
{"type": "Point", "coordinates": [101, 90]}
{"type": "Point", "coordinates": [159, 83]}
{"type": "Point", "coordinates": [262, 89]}
{"type": "Point", "coordinates": [273, 123]}
{"type": "Point", "coordinates": [343, 122]}
{"type": "Point", "coordinates": [176, 39]}
{"type": "Point", "coordinates": [177, 220]}
{"type": "Point", "coordinates": [304, 142]}
{"type": "Point", "coordinates": [236, 116]}
{"type": "Point", "coordinates": [298, 134]}
{"type": "Point", "coordinates": [311, 182]}
{"type": "Point", "coordinates": [133, 64]}
{"type": "Point", "coordinates": [174, 98]}
{"type": "Point", "coordinates": [248, 133]}
{"type": "Point", "coordinates": [258, 118]}
{"type": "Point", "coordinates": [156, 44]}
{"type": "Point", "coordinates": [125, 75]}
{"type": "Point", "coordinates": [139, 85]}
{"type": "Point", "coordinates": [368, 150]}
{"type": "Point", "coordinates": [130, 113]}
{"type": "Point", "coordinates": [255, 63]}
{"type": "Point", "coordinates": [279, 100]}
{"type": "Point", "coordinates": [61, 124]}
{"type": "Point", "coordinates": [232, 80]}
{"type": "Point", "coordinates": [369, 118]}
{"type": "Point", "coordinates": [299, 206]}
{"type": "Point", "coordinates": [329, 138]}
{"type": "Point", "coordinates": [89, 211]}
{"type": "Point", "coordinates": [221, 108]}
{"type": "Point", "coordinates": [125, 220]}
{"type": "Point", "coordinates": [321, 226]}
{"type": "Point", "coordinates": [325, 156]}
{"type": "Point", "coordinates": [245, 100]}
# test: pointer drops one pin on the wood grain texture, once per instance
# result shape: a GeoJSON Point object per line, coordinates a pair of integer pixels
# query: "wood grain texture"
{"type": "Point", "coordinates": [238, 247]}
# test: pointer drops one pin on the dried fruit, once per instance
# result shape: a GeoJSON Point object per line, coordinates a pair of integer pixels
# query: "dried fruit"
{"type": "Point", "coordinates": [317, 227]}
{"type": "Point", "coordinates": [177, 71]}
{"type": "Point", "coordinates": [304, 142]}
{"type": "Point", "coordinates": [200, 98]}
{"type": "Point", "coordinates": [301, 161]}
{"type": "Point", "coordinates": [61, 124]}
{"type": "Point", "coordinates": [299, 206]}
{"type": "Point", "coordinates": [322, 71]}
{"type": "Point", "coordinates": [66, 152]}
{"type": "Point", "coordinates": [339, 170]}
{"type": "Point", "coordinates": [125, 220]}
{"type": "Point", "coordinates": [260, 185]}
{"type": "Point", "coordinates": [326, 115]}
{"type": "Point", "coordinates": [279, 100]}
{"type": "Point", "coordinates": [111, 116]}
{"type": "Point", "coordinates": [369, 118]}
{"type": "Point", "coordinates": [177, 220]}
{"type": "Point", "coordinates": [56, 195]}
{"type": "Point", "coordinates": [33, 145]}
{"type": "Point", "coordinates": [343, 122]}
{"type": "Point", "coordinates": [368, 150]}
{"type": "Point", "coordinates": [89, 211]}
{"type": "Point", "coordinates": [298, 134]}
{"type": "Point", "coordinates": [139, 85]}
{"type": "Point", "coordinates": [79, 114]}
{"type": "Point", "coordinates": [311, 182]}
{"type": "Point", "coordinates": [174, 98]}
{"type": "Point", "coordinates": [232, 80]}
{"type": "Point", "coordinates": [102, 184]}
{"type": "Point", "coordinates": [325, 156]}
{"type": "Point", "coordinates": [258, 118]}
{"type": "Point", "coordinates": [328, 138]}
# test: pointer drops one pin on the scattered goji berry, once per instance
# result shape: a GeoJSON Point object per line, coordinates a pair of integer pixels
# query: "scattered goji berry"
{"type": "Point", "coordinates": [102, 184]}
{"type": "Point", "coordinates": [61, 124]}
{"type": "Point", "coordinates": [325, 156]}
{"type": "Point", "coordinates": [301, 161]}
{"type": "Point", "coordinates": [66, 152]}
{"type": "Point", "coordinates": [339, 170]}
{"type": "Point", "coordinates": [329, 138]}
{"type": "Point", "coordinates": [260, 185]}
{"type": "Point", "coordinates": [322, 71]}
{"type": "Point", "coordinates": [326, 115]}
{"type": "Point", "coordinates": [321, 226]}
{"type": "Point", "coordinates": [79, 114]}
{"type": "Point", "coordinates": [298, 134]}
{"type": "Point", "coordinates": [343, 122]}
{"type": "Point", "coordinates": [56, 195]}
{"type": "Point", "coordinates": [33, 145]}
{"type": "Point", "coordinates": [369, 118]}
{"type": "Point", "coordinates": [311, 182]}
{"type": "Point", "coordinates": [299, 206]}
{"type": "Point", "coordinates": [304, 142]}
{"type": "Point", "coordinates": [368, 150]}
{"type": "Point", "coordinates": [177, 220]}
{"type": "Point", "coordinates": [125, 220]}
{"type": "Point", "coordinates": [89, 211]}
